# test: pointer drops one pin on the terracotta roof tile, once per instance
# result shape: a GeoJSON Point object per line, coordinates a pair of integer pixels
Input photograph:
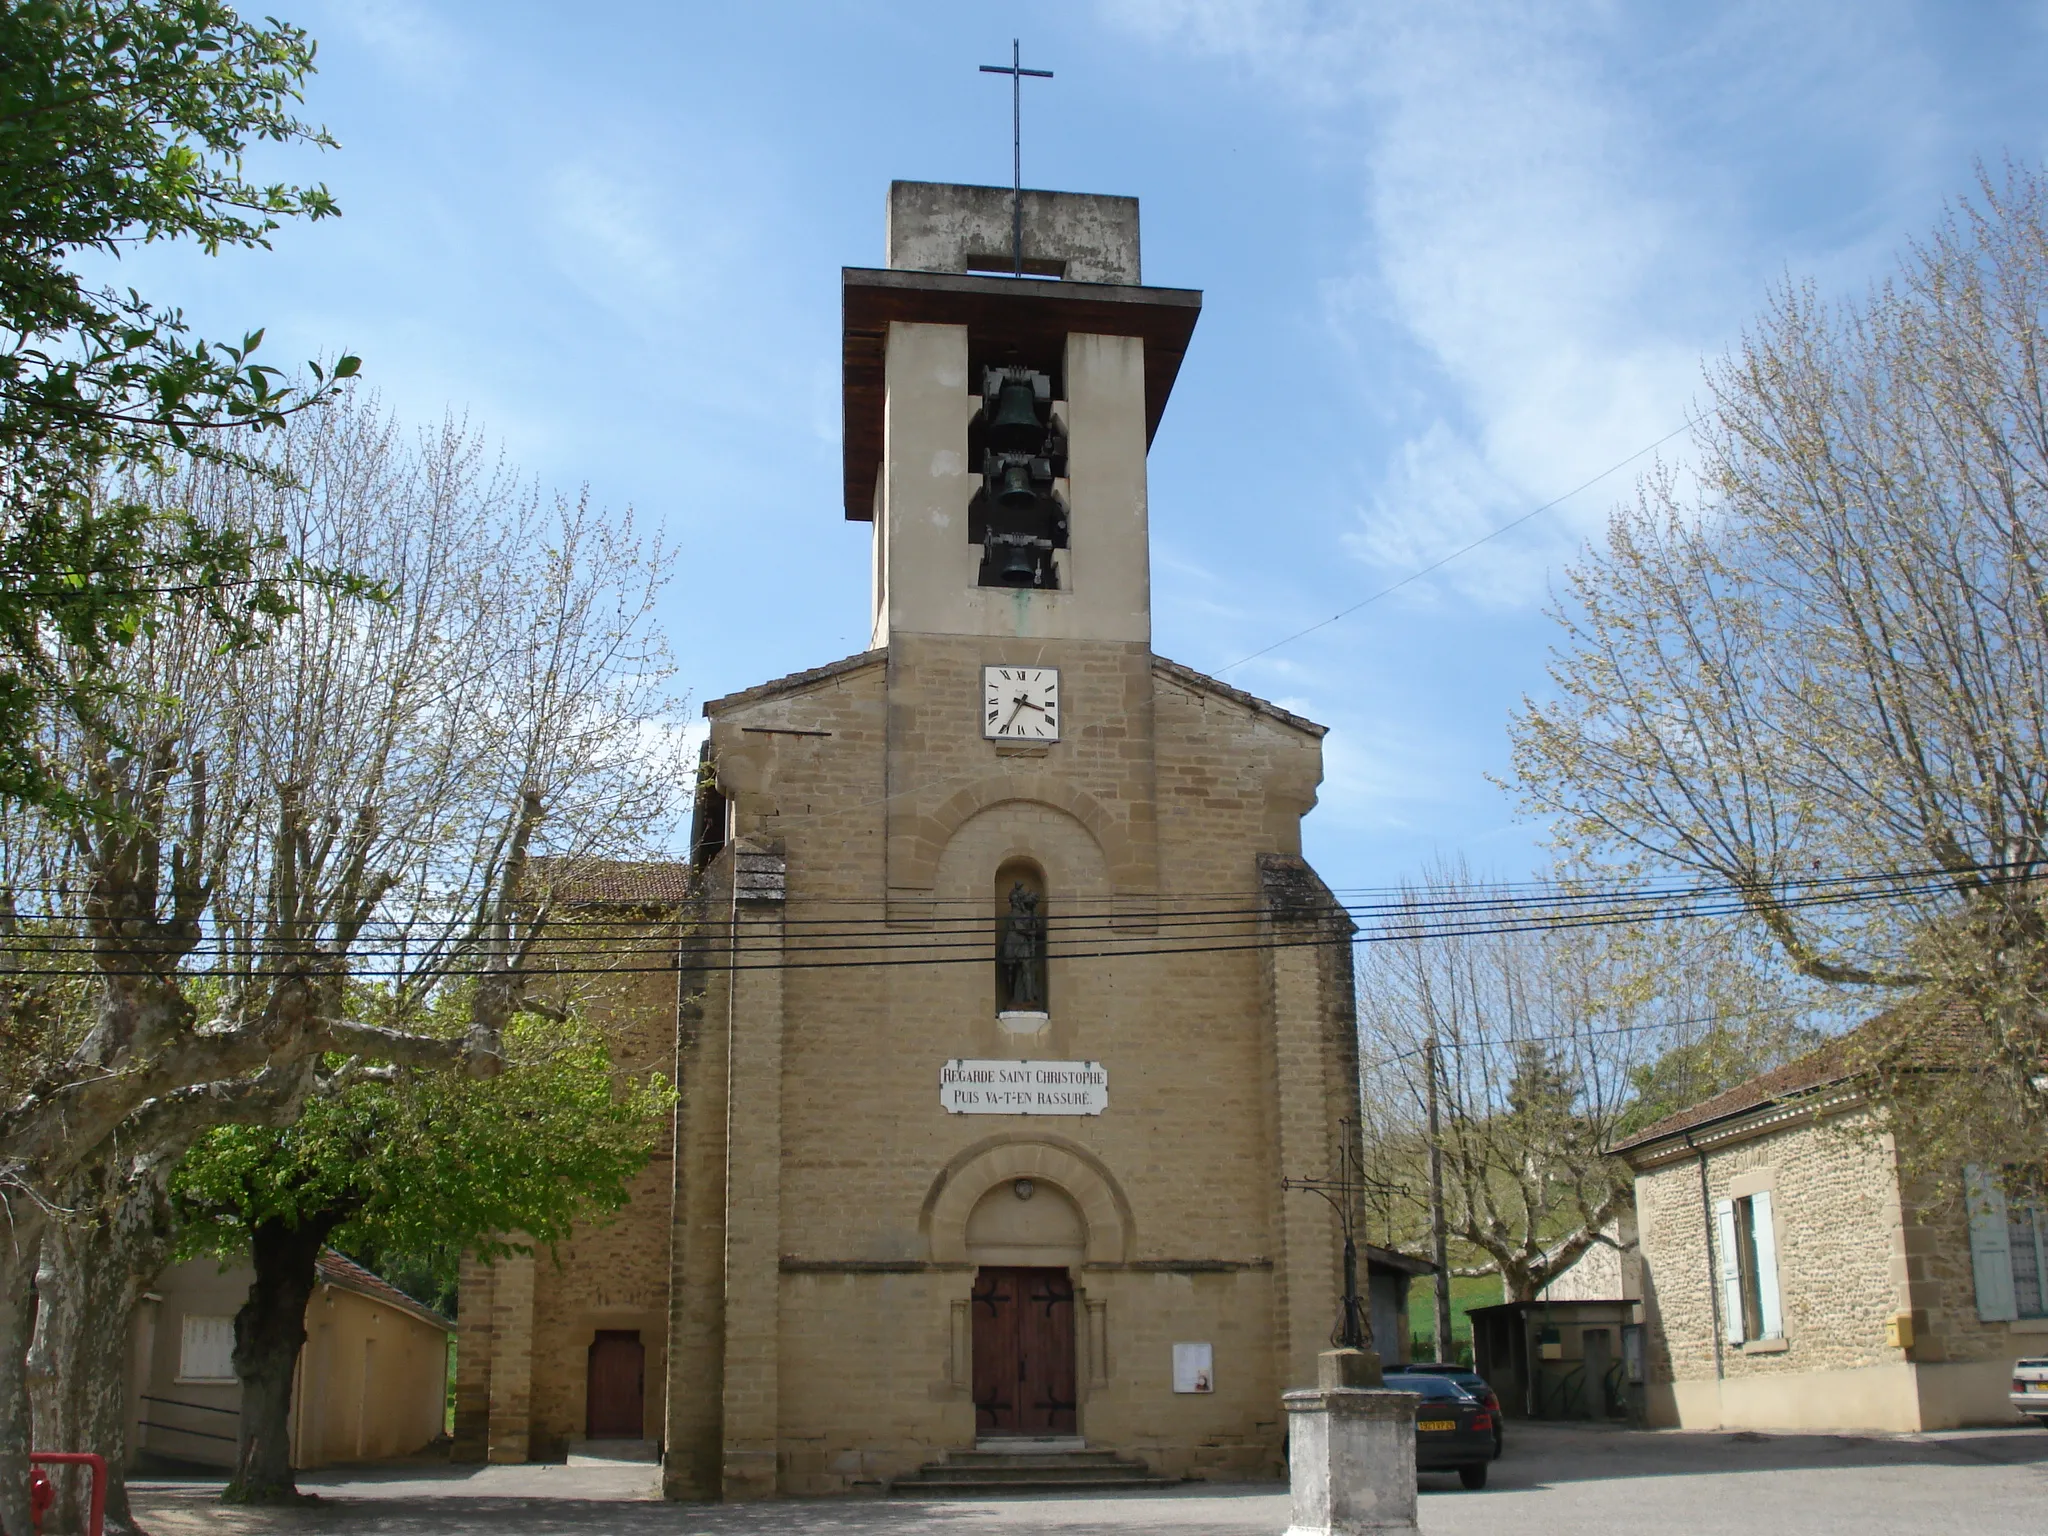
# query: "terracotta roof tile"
{"type": "Point", "coordinates": [613, 882]}
{"type": "Point", "coordinates": [345, 1274]}
{"type": "Point", "coordinates": [1912, 1035]}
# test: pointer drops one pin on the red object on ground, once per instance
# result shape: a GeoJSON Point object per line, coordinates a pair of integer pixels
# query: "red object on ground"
{"type": "Point", "coordinates": [42, 1495]}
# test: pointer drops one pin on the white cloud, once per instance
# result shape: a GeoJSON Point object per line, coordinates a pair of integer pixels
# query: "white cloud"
{"type": "Point", "coordinates": [409, 38]}
{"type": "Point", "coordinates": [1525, 235]}
{"type": "Point", "coordinates": [609, 233]}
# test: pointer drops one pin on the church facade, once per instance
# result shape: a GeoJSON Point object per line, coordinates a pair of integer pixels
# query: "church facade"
{"type": "Point", "coordinates": [1001, 998]}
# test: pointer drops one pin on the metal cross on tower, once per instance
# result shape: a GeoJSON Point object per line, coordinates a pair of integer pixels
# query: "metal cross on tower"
{"type": "Point", "coordinates": [1343, 1189]}
{"type": "Point", "coordinates": [1016, 71]}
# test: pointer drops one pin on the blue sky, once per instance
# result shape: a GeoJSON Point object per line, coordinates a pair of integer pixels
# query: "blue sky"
{"type": "Point", "coordinates": [1458, 258]}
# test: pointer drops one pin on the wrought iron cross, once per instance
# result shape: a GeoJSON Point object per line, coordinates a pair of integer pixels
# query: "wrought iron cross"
{"type": "Point", "coordinates": [1016, 71]}
{"type": "Point", "coordinates": [1342, 1190]}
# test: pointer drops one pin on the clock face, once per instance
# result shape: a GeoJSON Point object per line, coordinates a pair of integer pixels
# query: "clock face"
{"type": "Point", "coordinates": [1020, 703]}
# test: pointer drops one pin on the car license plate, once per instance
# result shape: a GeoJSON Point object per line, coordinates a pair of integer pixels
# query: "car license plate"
{"type": "Point", "coordinates": [2037, 1386]}
{"type": "Point", "coordinates": [1436, 1424]}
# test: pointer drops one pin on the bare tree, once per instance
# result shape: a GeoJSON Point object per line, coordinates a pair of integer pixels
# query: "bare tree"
{"type": "Point", "coordinates": [1826, 651]}
{"type": "Point", "coordinates": [305, 843]}
{"type": "Point", "coordinates": [1540, 1031]}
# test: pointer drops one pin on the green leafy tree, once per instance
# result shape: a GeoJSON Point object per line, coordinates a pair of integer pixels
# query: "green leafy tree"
{"type": "Point", "coordinates": [123, 122]}
{"type": "Point", "coordinates": [430, 1164]}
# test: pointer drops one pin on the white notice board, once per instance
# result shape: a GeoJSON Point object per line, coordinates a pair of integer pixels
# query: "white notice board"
{"type": "Point", "coordinates": [1194, 1368]}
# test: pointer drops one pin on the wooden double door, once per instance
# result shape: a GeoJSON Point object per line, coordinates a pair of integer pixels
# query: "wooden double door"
{"type": "Point", "coordinates": [1024, 1352]}
{"type": "Point", "coordinates": [617, 1385]}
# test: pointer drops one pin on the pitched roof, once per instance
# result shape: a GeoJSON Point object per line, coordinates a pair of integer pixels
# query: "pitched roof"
{"type": "Point", "coordinates": [345, 1274]}
{"type": "Point", "coordinates": [1201, 682]}
{"type": "Point", "coordinates": [613, 882]}
{"type": "Point", "coordinates": [796, 681]}
{"type": "Point", "coordinates": [1912, 1035]}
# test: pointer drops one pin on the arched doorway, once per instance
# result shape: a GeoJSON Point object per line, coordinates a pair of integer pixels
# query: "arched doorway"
{"type": "Point", "coordinates": [1025, 1236]}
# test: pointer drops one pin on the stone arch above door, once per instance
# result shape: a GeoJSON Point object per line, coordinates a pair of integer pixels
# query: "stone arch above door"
{"type": "Point", "coordinates": [1023, 1155]}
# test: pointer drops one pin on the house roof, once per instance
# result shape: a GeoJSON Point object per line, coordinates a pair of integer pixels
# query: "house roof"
{"type": "Point", "coordinates": [1389, 1258]}
{"type": "Point", "coordinates": [613, 882]}
{"type": "Point", "coordinates": [1911, 1035]}
{"type": "Point", "coordinates": [345, 1274]}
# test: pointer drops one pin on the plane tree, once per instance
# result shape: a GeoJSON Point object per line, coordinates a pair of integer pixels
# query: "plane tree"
{"type": "Point", "coordinates": [1820, 654]}
{"type": "Point", "coordinates": [428, 1164]}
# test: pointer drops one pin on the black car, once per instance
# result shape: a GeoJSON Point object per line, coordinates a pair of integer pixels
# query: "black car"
{"type": "Point", "coordinates": [1453, 1429]}
{"type": "Point", "coordinates": [1471, 1381]}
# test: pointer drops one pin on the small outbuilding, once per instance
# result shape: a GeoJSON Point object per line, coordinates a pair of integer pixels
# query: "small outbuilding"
{"type": "Point", "coordinates": [372, 1381]}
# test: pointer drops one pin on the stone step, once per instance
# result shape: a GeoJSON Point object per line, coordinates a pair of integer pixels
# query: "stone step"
{"type": "Point", "coordinates": [606, 1453]}
{"type": "Point", "coordinates": [984, 1471]}
{"type": "Point", "coordinates": [911, 1488]}
{"type": "Point", "coordinates": [1034, 1458]}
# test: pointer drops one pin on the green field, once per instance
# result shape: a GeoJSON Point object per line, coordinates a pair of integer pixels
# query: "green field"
{"type": "Point", "coordinates": [1465, 1295]}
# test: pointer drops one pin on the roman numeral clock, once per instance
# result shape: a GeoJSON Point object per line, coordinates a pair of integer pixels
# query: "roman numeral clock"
{"type": "Point", "coordinates": [1020, 703]}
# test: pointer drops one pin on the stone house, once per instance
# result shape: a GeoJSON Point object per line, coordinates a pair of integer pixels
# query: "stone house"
{"type": "Point", "coordinates": [998, 992]}
{"type": "Point", "coordinates": [1792, 1280]}
{"type": "Point", "coordinates": [372, 1379]}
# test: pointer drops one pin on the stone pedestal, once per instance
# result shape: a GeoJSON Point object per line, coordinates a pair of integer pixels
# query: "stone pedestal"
{"type": "Point", "coordinates": [1351, 1451]}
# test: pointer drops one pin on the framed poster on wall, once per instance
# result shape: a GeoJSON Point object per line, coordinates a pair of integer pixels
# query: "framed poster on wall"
{"type": "Point", "coordinates": [1194, 1368]}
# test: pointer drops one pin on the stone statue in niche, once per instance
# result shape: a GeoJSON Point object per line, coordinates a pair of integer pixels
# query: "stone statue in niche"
{"type": "Point", "coordinates": [1020, 954]}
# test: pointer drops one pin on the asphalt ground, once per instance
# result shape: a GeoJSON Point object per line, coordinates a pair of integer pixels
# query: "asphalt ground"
{"type": "Point", "coordinates": [1554, 1480]}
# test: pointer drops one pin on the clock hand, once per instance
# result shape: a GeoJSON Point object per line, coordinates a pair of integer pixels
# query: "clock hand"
{"type": "Point", "coordinates": [1013, 716]}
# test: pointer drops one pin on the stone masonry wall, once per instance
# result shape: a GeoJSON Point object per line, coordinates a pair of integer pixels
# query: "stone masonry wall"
{"type": "Point", "coordinates": [889, 805]}
{"type": "Point", "coordinates": [1839, 1239]}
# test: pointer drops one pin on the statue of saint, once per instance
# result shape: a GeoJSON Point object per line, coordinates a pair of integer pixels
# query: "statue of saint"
{"type": "Point", "coordinates": [1020, 953]}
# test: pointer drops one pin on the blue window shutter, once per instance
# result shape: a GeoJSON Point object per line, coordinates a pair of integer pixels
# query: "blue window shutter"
{"type": "Point", "coordinates": [1990, 1246]}
{"type": "Point", "coordinates": [1770, 1310]}
{"type": "Point", "coordinates": [1729, 1266]}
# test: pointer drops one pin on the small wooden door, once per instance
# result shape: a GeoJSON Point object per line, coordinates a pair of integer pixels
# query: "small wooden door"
{"type": "Point", "coordinates": [1024, 1352]}
{"type": "Point", "coordinates": [617, 1380]}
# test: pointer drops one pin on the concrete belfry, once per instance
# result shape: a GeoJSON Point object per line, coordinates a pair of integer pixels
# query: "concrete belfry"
{"type": "Point", "coordinates": [876, 1251]}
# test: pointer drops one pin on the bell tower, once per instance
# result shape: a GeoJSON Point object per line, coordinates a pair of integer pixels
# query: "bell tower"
{"type": "Point", "coordinates": [996, 426]}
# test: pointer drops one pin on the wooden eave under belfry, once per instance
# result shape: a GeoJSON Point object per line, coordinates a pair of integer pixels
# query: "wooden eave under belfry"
{"type": "Point", "coordinates": [1037, 315]}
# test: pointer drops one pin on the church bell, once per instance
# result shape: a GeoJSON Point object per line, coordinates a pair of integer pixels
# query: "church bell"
{"type": "Point", "coordinates": [1015, 491]}
{"type": "Point", "coordinates": [1017, 562]}
{"type": "Point", "coordinates": [1015, 427]}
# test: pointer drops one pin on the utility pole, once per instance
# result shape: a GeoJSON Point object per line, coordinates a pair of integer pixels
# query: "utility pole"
{"type": "Point", "coordinates": [1439, 1241]}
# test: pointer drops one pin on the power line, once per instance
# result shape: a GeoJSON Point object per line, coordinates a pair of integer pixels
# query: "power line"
{"type": "Point", "coordinates": [877, 955]}
{"type": "Point", "coordinates": [1436, 565]}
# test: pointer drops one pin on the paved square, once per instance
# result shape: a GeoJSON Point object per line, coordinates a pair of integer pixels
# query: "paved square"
{"type": "Point", "coordinates": [1554, 1481]}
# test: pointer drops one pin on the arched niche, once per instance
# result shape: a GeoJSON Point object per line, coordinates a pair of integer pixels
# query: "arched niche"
{"type": "Point", "coordinates": [1021, 977]}
{"type": "Point", "coordinates": [1078, 1175]}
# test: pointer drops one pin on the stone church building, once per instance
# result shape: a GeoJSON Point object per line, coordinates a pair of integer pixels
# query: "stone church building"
{"type": "Point", "coordinates": [998, 993]}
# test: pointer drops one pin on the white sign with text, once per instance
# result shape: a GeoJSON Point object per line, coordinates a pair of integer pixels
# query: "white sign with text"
{"type": "Point", "coordinates": [1023, 1087]}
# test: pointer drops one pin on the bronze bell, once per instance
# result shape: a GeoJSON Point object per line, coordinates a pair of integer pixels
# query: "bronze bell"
{"type": "Point", "coordinates": [1017, 568]}
{"type": "Point", "coordinates": [1015, 492]}
{"type": "Point", "coordinates": [1015, 427]}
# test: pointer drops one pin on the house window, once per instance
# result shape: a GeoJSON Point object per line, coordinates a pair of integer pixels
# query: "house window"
{"type": "Point", "coordinates": [1748, 1266]}
{"type": "Point", "coordinates": [2008, 1249]}
{"type": "Point", "coordinates": [2027, 1235]}
{"type": "Point", "coordinates": [207, 1351]}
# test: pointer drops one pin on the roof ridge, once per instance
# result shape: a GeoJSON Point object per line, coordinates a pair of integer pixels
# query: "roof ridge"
{"type": "Point", "coordinates": [337, 1269]}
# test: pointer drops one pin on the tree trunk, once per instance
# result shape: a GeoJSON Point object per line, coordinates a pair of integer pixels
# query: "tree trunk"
{"type": "Point", "coordinates": [96, 1265]}
{"type": "Point", "coordinates": [21, 1231]}
{"type": "Point", "coordinates": [269, 1332]}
